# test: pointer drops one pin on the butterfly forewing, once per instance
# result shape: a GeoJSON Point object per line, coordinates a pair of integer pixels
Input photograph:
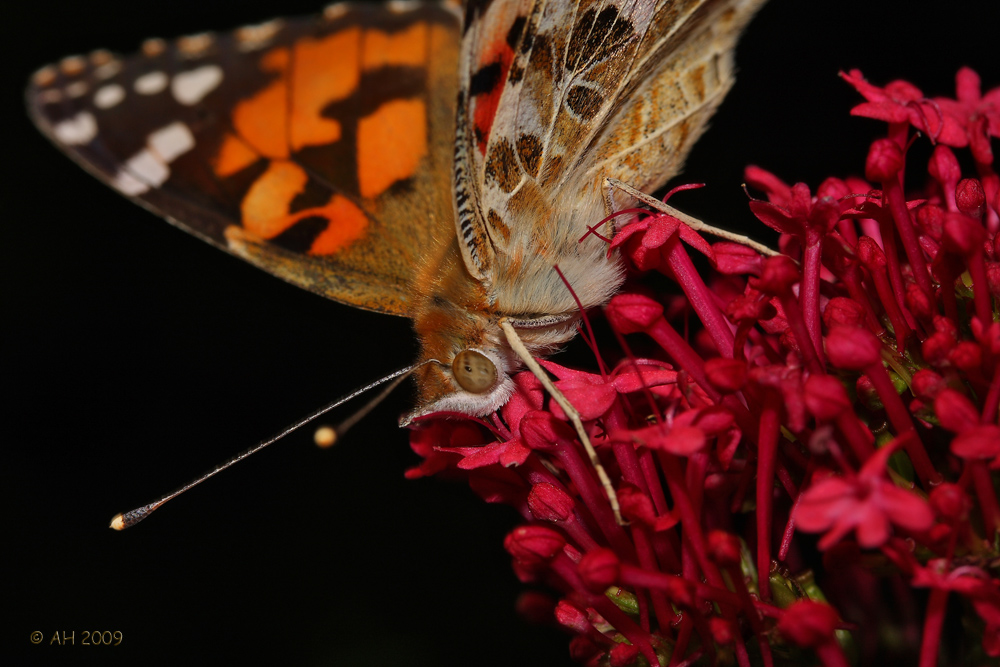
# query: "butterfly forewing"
{"type": "Point", "coordinates": [317, 148]}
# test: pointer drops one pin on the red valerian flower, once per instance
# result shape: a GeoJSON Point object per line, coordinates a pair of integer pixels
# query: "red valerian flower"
{"type": "Point", "coordinates": [976, 114]}
{"type": "Point", "coordinates": [902, 103]}
{"type": "Point", "coordinates": [808, 623]}
{"type": "Point", "coordinates": [868, 504]}
{"type": "Point", "coordinates": [848, 386]}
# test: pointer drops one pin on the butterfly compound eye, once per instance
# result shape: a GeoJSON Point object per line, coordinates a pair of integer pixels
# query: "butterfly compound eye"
{"type": "Point", "coordinates": [474, 372]}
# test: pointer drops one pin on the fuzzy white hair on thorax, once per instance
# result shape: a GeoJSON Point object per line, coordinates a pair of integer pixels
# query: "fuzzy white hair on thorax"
{"type": "Point", "coordinates": [526, 281]}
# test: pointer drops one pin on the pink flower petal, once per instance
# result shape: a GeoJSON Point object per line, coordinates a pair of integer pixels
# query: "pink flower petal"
{"type": "Point", "coordinates": [905, 508]}
{"type": "Point", "coordinates": [980, 442]}
{"type": "Point", "coordinates": [873, 527]}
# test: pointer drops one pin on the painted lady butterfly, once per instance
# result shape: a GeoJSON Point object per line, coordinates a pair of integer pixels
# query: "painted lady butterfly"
{"type": "Point", "coordinates": [411, 158]}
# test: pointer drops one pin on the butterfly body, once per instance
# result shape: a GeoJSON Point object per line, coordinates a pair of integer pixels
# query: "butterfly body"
{"type": "Point", "coordinates": [412, 158]}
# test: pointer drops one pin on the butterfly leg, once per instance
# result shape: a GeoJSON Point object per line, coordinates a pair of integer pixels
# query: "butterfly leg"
{"type": "Point", "coordinates": [694, 223]}
{"type": "Point", "coordinates": [519, 348]}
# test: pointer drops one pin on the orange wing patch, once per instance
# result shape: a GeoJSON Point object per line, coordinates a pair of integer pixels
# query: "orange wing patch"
{"type": "Point", "coordinates": [351, 225]}
{"type": "Point", "coordinates": [391, 143]}
{"type": "Point", "coordinates": [233, 156]}
{"type": "Point", "coordinates": [266, 204]}
{"type": "Point", "coordinates": [326, 70]}
{"type": "Point", "coordinates": [288, 115]}
{"type": "Point", "coordinates": [403, 48]}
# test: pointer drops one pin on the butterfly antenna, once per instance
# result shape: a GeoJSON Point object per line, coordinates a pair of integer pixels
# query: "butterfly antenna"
{"type": "Point", "coordinates": [327, 436]}
{"type": "Point", "coordinates": [132, 517]}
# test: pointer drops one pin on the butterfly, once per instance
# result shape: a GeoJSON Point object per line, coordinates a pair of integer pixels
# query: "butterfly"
{"type": "Point", "coordinates": [417, 159]}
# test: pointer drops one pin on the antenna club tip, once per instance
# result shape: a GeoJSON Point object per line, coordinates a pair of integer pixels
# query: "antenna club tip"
{"type": "Point", "coordinates": [117, 522]}
{"type": "Point", "coordinates": [325, 437]}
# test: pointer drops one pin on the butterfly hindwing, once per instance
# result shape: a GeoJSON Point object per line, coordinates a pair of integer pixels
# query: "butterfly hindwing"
{"type": "Point", "coordinates": [559, 96]}
{"type": "Point", "coordinates": [319, 149]}
{"type": "Point", "coordinates": [685, 68]}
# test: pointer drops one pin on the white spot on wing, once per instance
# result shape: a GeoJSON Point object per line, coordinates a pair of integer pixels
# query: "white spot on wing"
{"type": "Point", "coordinates": [171, 141]}
{"type": "Point", "coordinates": [149, 167]}
{"type": "Point", "coordinates": [80, 129]}
{"type": "Point", "coordinates": [150, 83]}
{"type": "Point", "coordinates": [146, 167]}
{"type": "Point", "coordinates": [191, 87]}
{"type": "Point", "coordinates": [108, 96]}
{"type": "Point", "coordinates": [127, 184]}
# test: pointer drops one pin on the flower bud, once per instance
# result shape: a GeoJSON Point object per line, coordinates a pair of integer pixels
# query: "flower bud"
{"type": "Point", "coordinates": [636, 505]}
{"type": "Point", "coordinates": [852, 348]}
{"type": "Point", "coordinates": [966, 356]}
{"type": "Point", "coordinates": [993, 277]}
{"type": "Point", "coordinates": [885, 159]}
{"type": "Point", "coordinates": [542, 431]}
{"type": "Point", "coordinates": [726, 375]}
{"type": "Point", "coordinates": [778, 275]}
{"type": "Point", "coordinates": [750, 306]}
{"type": "Point", "coordinates": [623, 655]}
{"type": "Point", "coordinates": [533, 546]}
{"type": "Point", "coordinates": [548, 502]}
{"type": "Point", "coordinates": [599, 569]}
{"type": "Point", "coordinates": [841, 310]}
{"type": "Point", "coordinates": [630, 313]}
{"type": "Point", "coordinates": [825, 397]}
{"type": "Point", "coordinates": [950, 502]}
{"type": "Point", "coordinates": [571, 617]}
{"type": "Point", "coordinates": [954, 411]}
{"type": "Point", "coordinates": [867, 394]}
{"type": "Point", "coordinates": [970, 197]}
{"type": "Point", "coordinates": [937, 347]}
{"type": "Point", "coordinates": [943, 167]}
{"type": "Point", "coordinates": [870, 254]}
{"type": "Point", "coordinates": [926, 384]}
{"type": "Point", "coordinates": [809, 624]}
{"type": "Point", "coordinates": [918, 301]}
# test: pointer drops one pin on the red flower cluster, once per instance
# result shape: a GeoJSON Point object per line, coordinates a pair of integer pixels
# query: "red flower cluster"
{"type": "Point", "coordinates": [847, 387]}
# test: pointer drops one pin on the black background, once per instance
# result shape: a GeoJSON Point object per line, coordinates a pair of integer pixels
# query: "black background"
{"type": "Point", "coordinates": [136, 357]}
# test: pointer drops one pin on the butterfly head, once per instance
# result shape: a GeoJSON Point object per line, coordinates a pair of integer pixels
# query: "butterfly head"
{"type": "Point", "coordinates": [465, 367]}
{"type": "Point", "coordinates": [466, 363]}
